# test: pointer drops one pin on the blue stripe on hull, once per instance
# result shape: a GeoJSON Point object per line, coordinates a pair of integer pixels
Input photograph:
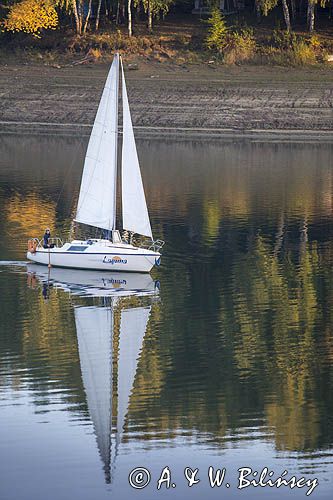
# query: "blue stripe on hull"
{"type": "Point", "coordinates": [100, 253]}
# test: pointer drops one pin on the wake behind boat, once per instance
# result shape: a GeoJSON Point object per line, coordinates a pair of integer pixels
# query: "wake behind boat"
{"type": "Point", "coordinates": [97, 204]}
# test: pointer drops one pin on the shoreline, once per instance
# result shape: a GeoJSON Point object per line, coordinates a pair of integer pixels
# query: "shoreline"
{"type": "Point", "coordinates": [172, 133]}
{"type": "Point", "coordinates": [243, 102]}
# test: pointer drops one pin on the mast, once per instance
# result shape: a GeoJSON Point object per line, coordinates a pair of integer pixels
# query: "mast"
{"type": "Point", "coordinates": [116, 144]}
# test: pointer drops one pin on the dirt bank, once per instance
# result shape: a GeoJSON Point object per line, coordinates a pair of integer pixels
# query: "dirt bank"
{"type": "Point", "coordinates": [168, 99]}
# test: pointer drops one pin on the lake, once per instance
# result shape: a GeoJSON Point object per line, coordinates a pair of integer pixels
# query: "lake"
{"type": "Point", "coordinates": [222, 358]}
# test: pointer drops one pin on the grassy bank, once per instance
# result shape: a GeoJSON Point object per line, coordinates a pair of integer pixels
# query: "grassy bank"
{"type": "Point", "coordinates": [181, 40]}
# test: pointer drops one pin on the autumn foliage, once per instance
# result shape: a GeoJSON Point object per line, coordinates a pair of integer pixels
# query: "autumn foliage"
{"type": "Point", "coordinates": [31, 16]}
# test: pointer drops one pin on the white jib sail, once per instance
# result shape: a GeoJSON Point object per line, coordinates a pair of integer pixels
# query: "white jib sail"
{"type": "Point", "coordinates": [94, 327]}
{"type": "Point", "coordinates": [132, 331]}
{"type": "Point", "coordinates": [135, 213]}
{"type": "Point", "coordinates": [96, 205]}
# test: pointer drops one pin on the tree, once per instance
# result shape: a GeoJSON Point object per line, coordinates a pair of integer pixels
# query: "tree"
{"type": "Point", "coordinates": [87, 17]}
{"type": "Point", "coordinates": [31, 16]}
{"type": "Point", "coordinates": [286, 14]}
{"type": "Point", "coordinates": [154, 8]}
{"type": "Point", "coordinates": [81, 16]}
{"type": "Point", "coordinates": [217, 32]}
{"type": "Point", "coordinates": [267, 5]}
{"type": "Point", "coordinates": [311, 15]}
{"type": "Point", "coordinates": [78, 16]}
{"type": "Point", "coordinates": [311, 12]}
{"type": "Point", "coordinates": [98, 13]}
{"type": "Point", "coordinates": [129, 12]}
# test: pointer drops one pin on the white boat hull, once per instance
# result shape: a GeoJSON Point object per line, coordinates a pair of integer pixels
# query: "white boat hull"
{"type": "Point", "coordinates": [126, 258]}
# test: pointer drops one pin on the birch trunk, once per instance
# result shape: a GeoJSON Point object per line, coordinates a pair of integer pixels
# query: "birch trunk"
{"type": "Point", "coordinates": [129, 12]}
{"type": "Point", "coordinates": [311, 15]}
{"type": "Point", "coordinates": [78, 20]}
{"type": "Point", "coordinates": [98, 13]}
{"type": "Point", "coordinates": [88, 17]}
{"type": "Point", "coordinates": [286, 14]}
{"type": "Point", "coordinates": [150, 18]}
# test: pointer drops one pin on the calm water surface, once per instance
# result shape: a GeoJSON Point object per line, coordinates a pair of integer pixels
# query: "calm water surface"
{"type": "Point", "coordinates": [223, 357]}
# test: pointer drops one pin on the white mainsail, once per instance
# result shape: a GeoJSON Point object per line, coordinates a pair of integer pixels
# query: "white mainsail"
{"type": "Point", "coordinates": [132, 331]}
{"type": "Point", "coordinates": [96, 205]}
{"type": "Point", "coordinates": [135, 213]}
{"type": "Point", "coordinates": [94, 327]}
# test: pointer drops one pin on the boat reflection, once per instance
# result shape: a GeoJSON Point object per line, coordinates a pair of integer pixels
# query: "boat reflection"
{"type": "Point", "coordinates": [94, 283]}
{"type": "Point", "coordinates": [110, 337]}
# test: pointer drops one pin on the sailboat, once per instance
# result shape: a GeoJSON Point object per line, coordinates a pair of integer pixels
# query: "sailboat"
{"type": "Point", "coordinates": [95, 330]}
{"type": "Point", "coordinates": [97, 203]}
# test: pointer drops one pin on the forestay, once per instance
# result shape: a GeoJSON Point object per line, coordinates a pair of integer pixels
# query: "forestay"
{"type": "Point", "coordinates": [96, 205]}
{"type": "Point", "coordinates": [135, 213]}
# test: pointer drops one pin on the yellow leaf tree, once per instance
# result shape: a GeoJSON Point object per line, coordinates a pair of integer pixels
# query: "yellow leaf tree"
{"type": "Point", "coordinates": [31, 16]}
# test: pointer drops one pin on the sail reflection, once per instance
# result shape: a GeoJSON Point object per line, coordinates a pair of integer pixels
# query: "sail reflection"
{"type": "Point", "coordinates": [104, 342]}
{"type": "Point", "coordinates": [94, 327]}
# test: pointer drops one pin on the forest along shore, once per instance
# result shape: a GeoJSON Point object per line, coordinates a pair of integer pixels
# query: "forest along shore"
{"type": "Point", "coordinates": [169, 100]}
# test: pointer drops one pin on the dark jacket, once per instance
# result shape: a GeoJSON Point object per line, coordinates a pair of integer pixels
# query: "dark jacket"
{"type": "Point", "coordinates": [46, 238]}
